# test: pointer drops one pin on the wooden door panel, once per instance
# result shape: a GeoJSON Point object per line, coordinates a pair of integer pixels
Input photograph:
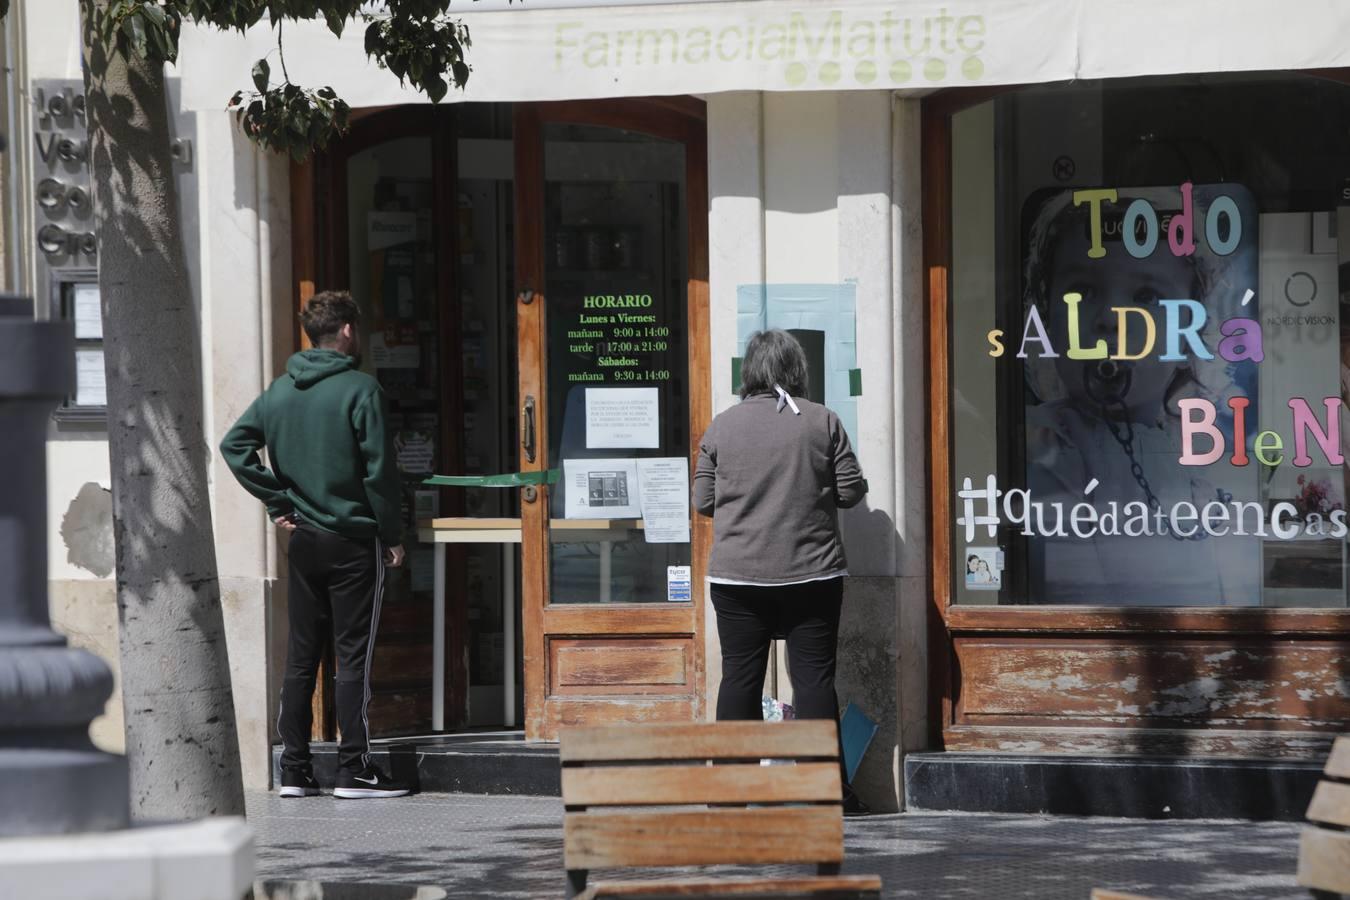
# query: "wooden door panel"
{"type": "Point", "coordinates": [566, 712]}
{"type": "Point", "coordinates": [606, 666]}
{"type": "Point", "coordinates": [397, 664]}
{"type": "Point", "coordinates": [1142, 681]}
{"type": "Point", "coordinates": [1197, 694]}
{"type": "Point", "coordinates": [586, 662]}
{"type": "Point", "coordinates": [400, 712]}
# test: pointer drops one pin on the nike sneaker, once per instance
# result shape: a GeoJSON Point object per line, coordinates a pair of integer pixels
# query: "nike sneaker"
{"type": "Point", "coordinates": [298, 783]}
{"type": "Point", "coordinates": [366, 784]}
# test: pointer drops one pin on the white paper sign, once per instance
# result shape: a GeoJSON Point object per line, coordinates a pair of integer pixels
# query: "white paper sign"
{"type": "Point", "coordinates": [90, 387]}
{"type": "Point", "coordinates": [601, 489]}
{"type": "Point", "coordinates": [679, 584]}
{"type": "Point", "coordinates": [385, 355]}
{"type": "Point", "coordinates": [389, 229]}
{"type": "Point", "coordinates": [665, 499]}
{"type": "Point", "coordinates": [622, 418]}
{"type": "Point", "coordinates": [87, 313]}
{"type": "Point", "coordinates": [416, 452]}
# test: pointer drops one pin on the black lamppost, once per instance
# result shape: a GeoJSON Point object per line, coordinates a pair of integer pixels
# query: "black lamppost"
{"type": "Point", "coordinates": [54, 780]}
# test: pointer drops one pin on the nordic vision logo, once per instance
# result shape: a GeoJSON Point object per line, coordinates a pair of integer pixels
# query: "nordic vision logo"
{"type": "Point", "coordinates": [821, 47]}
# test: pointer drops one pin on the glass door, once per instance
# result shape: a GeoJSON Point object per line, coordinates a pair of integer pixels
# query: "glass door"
{"type": "Point", "coordinates": [614, 391]}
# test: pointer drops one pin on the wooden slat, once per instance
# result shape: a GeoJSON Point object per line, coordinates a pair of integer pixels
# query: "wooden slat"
{"type": "Point", "coordinates": [532, 372]}
{"type": "Point", "coordinates": [1220, 622]}
{"type": "Point", "coordinates": [714, 837]}
{"type": "Point", "coordinates": [834, 886]}
{"type": "Point", "coordinates": [564, 712]}
{"type": "Point", "coordinates": [719, 740]}
{"type": "Point", "coordinates": [615, 619]}
{"type": "Point", "coordinates": [1330, 803]}
{"type": "Point", "coordinates": [1121, 741]}
{"type": "Point", "coordinates": [700, 371]}
{"type": "Point", "coordinates": [1338, 763]}
{"type": "Point", "coordinates": [657, 785]}
{"type": "Point", "coordinates": [1324, 860]}
{"type": "Point", "coordinates": [935, 155]}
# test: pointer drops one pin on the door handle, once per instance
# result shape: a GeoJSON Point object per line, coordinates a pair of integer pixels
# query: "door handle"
{"type": "Point", "coordinates": [527, 428]}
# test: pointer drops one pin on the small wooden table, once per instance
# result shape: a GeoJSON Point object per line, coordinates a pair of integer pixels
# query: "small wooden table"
{"type": "Point", "coordinates": [469, 530]}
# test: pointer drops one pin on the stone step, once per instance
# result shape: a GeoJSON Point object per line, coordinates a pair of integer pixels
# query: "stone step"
{"type": "Point", "coordinates": [1127, 787]}
{"type": "Point", "coordinates": [477, 763]}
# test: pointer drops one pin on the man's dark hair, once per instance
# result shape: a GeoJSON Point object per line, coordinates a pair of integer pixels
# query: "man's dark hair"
{"type": "Point", "coordinates": [326, 313]}
{"type": "Point", "coordinates": [773, 357]}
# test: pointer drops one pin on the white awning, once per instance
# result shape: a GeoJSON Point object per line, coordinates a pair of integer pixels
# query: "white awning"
{"type": "Point", "coordinates": [558, 51]}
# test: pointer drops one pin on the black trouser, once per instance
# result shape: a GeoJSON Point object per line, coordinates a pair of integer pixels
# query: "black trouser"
{"type": "Point", "coordinates": [336, 585]}
{"type": "Point", "coordinates": [750, 617]}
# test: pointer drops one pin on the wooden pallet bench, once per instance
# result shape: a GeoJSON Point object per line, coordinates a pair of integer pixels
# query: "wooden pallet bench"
{"type": "Point", "coordinates": [658, 796]}
{"type": "Point", "coordinates": [1324, 846]}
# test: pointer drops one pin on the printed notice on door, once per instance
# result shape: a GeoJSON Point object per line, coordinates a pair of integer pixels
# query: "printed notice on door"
{"type": "Point", "coordinates": [622, 418]}
{"type": "Point", "coordinates": [601, 489]}
{"type": "Point", "coordinates": [665, 499]}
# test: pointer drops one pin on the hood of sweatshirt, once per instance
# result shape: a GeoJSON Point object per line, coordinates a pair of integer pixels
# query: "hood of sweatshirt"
{"type": "Point", "coordinates": [309, 367]}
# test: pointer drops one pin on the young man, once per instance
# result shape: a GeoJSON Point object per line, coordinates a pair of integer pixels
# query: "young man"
{"type": "Point", "coordinates": [334, 485]}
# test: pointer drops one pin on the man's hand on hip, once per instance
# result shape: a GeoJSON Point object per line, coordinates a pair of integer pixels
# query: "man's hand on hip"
{"type": "Point", "coordinates": [393, 556]}
{"type": "Point", "coordinates": [286, 522]}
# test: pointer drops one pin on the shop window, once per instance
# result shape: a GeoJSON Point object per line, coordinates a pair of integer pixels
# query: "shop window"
{"type": "Point", "coordinates": [75, 298]}
{"type": "Point", "coordinates": [1148, 294]}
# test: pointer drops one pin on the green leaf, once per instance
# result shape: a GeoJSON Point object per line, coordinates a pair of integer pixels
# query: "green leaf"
{"type": "Point", "coordinates": [436, 88]}
{"type": "Point", "coordinates": [133, 26]}
{"type": "Point", "coordinates": [336, 21]}
{"type": "Point", "coordinates": [262, 75]}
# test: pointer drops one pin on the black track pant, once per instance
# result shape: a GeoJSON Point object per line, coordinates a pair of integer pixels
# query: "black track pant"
{"type": "Point", "coordinates": [750, 617]}
{"type": "Point", "coordinates": [336, 585]}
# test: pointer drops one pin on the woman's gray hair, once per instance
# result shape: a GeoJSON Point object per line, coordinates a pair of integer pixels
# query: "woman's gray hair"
{"type": "Point", "coordinates": [773, 357]}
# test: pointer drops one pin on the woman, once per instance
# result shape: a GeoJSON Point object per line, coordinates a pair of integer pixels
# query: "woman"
{"type": "Point", "coordinates": [773, 471]}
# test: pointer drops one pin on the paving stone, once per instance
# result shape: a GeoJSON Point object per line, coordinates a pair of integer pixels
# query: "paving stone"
{"type": "Point", "coordinates": [495, 846]}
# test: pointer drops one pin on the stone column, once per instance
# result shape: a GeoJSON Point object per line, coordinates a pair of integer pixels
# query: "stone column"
{"type": "Point", "coordinates": [55, 780]}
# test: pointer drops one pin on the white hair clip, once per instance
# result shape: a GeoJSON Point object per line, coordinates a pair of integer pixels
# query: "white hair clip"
{"type": "Point", "coordinates": [784, 399]}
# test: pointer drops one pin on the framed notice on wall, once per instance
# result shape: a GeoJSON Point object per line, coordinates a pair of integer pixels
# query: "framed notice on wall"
{"type": "Point", "coordinates": [75, 298]}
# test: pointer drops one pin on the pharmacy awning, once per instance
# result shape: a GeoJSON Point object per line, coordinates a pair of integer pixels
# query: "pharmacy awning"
{"type": "Point", "coordinates": [584, 49]}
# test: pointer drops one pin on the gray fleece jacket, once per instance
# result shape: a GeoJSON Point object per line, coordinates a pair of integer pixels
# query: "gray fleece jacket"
{"type": "Point", "coordinates": [773, 481]}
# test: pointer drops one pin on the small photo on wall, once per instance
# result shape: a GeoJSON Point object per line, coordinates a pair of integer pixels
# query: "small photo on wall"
{"type": "Point", "coordinates": [984, 568]}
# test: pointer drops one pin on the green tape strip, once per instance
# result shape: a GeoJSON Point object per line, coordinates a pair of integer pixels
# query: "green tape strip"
{"type": "Point", "coordinates": [735, 374]}
{"type": "Point", "coordinates": [855, 382]}
{"type": "Point", "coordinates": [512, 479]}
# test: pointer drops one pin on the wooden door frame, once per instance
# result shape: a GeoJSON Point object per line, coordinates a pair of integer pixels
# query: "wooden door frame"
{"type": "Point", "coordinates": [321, 260]}
{"type": "Point", "coordinates": [947, 621]}
{"type": "Point", "coordinates": [680, 119]}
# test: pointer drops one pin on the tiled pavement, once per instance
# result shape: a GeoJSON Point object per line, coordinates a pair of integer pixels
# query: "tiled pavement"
{"type": "Point", "coordinates": [495, 846]}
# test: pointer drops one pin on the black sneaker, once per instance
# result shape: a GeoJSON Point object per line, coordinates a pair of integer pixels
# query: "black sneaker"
{"type": "Point", "coordinates": [367, 783]}
{"type": "Point", "coordinates": [298, 783]}
{"type": "Point", "coordinates": [853, 805]}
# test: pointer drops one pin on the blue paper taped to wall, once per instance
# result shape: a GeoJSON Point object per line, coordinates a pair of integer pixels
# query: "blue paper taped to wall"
{"type": "Point", "coordinates": [856, 730]}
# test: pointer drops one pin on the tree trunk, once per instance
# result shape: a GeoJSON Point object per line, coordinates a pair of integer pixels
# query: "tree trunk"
{"type": "Point", "coordinates": [182, 746]}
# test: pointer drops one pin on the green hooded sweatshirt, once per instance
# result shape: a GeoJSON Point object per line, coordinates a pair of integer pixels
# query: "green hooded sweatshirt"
{"type": "Point", "coordinates": [332, 458]}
